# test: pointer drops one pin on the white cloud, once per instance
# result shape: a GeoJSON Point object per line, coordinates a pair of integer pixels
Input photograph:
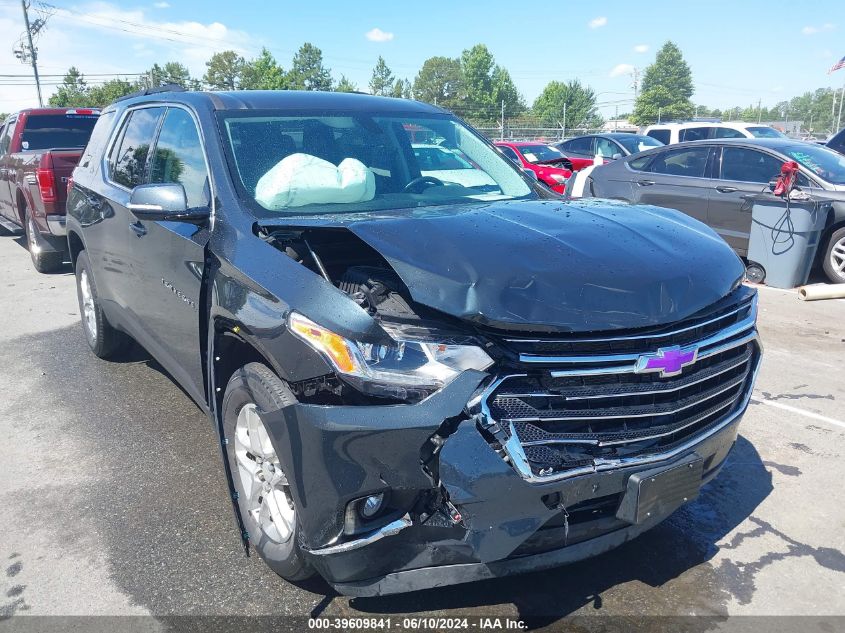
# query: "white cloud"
{"type": "Point", "coordinates": [103, 37]}
{"type": "Point", "coordinates": [161, 5]}
{"type": "Point", "coordinates": [641, 48]}
{"type": "Point", "coordinates": [377, 35]}
{"type": "Point", "coordinates": [812, 30]}
{"type": "Point", "coordinates": [621, 69]}
{"type": "Point", "coordinates": [597, 22]}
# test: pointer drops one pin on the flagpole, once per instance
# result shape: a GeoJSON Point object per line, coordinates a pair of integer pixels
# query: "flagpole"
{"type": "Point", "coordinates": [839, 116]}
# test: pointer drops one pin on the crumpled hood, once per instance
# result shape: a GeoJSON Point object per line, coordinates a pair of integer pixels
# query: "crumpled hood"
{"type": "Point", "coordinates": [547, 265]}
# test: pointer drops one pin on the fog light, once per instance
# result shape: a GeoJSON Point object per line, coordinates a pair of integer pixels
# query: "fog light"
{"type": "Point", "coordinates": [372, 505]}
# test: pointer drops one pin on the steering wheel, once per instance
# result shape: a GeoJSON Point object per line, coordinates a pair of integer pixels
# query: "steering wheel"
{"type": "Point", "coordinates": [422, 180]}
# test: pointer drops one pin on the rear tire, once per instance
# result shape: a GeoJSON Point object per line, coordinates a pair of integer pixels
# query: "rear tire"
{"type": "Point", "coordinates": [45, 261]}
{"type": "Point", "coordinates": [103, 339]}
{"type": "Point", "coordinates": [834, 257]}
{"type": "Point", "coordinates": [266, 505]}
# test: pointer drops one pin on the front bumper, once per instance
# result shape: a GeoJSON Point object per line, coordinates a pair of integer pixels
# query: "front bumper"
{"type": "Point", "coordinates": [507, 524]}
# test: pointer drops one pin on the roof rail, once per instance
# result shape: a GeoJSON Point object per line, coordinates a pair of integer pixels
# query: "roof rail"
{"type": "Point", "coordinates": [152, 91]}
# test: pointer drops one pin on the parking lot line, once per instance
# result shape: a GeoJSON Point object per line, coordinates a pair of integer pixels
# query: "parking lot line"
{"type": "Point", "coordinates": [809, 414]}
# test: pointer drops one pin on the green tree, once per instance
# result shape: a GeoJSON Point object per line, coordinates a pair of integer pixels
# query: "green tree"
{"type": "Point", "coordinates": [505, 91]}
{"type": "Point", "coordinates": [110, 91]}
{"type": "Point", "coordinates": [345, 85]}
{"type": "Point", "coordinates": [487, 85]}
{"type": "Point", "coordinates": [225, 71]}
{"type": "Point", "coordinates": [73, 91]}
{"type": "Point", "coordinates": [477, 67]}
{"type": "Point", "coordinates": [440, 81]}
{"type": "Point", "coordinates": [307, 71]}
{"type": "Point", "coordinates": [580, 102]}
{"type": "Point", "coordinates": [666, 88]}
{"type": "Point", "coordinates": [381, 83]}
{"type": "Point", "coordinates": [660, 105]}
{"type": "Point", "coordinates": [401, 89]}
{"type": "Point", "coordinates": [170, 73]}
{"type": "Point", "coordinates": [264, 73]}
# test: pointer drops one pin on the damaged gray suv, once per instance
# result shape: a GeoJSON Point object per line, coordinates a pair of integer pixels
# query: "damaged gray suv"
{"type": "Point", "coordinates": [416, 379]}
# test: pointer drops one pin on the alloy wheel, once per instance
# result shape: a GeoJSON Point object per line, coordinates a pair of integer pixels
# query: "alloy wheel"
{"type": "Point", "coordinates": [266, 487]}
{"type": "Point", "coordinates": [837, 257]}
{"type": "Point", "coordinates": [89, 314]}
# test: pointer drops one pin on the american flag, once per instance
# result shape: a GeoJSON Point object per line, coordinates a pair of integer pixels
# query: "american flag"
{"type": "Point", "coordinates": [837, 65]}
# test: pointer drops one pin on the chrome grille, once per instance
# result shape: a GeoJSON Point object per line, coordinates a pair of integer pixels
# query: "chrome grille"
{"type": "Point", "coordinates": [571, 413]}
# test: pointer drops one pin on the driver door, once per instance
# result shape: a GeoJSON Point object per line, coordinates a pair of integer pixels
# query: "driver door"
{"type": "Point", "coordinates": [168, 301]}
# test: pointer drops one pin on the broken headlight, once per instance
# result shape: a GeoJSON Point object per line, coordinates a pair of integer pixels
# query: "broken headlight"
{"type": "Point", "coordinates": [404, 369]}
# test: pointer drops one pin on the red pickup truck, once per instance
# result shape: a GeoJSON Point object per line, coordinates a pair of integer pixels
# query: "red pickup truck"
{"type": "Point", "coordinates": [39, 149]}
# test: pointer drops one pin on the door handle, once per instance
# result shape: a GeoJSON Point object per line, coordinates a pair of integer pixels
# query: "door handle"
{"type": "Point", "coordinates": [644, 183]}
{"type": "Point", "coordinates": [724, 189]}
{"type": "Point", "coordinates": [139, 229]}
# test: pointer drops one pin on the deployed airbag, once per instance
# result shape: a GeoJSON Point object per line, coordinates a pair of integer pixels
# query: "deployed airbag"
{"type": "Point", "coordinates": [301, 179]}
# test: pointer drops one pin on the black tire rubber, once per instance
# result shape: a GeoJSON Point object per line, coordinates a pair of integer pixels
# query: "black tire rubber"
{"type": "Point", "coordinates": [43, 261]}
{"type": "Point", "coordinates": [109, 341]}
{"type": "Point", "coordinates": [832, 275]}
{"type": "Point", "coordinates": [257, 384]}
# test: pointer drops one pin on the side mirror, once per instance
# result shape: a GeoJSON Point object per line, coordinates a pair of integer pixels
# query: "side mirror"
{"type": "Point", "coordinates": [530, 173]}
{"type": "Point", "coordinates": [772, 184]}
{"type": "Point", "coordinates": [163, 201]}
{"type": "Point", "coordinates": [616, 156]}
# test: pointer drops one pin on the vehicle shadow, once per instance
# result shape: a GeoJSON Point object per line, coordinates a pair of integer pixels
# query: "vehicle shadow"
{"type": "Point", "coordinates": [686, 540]}
{"type": "Point", "coordinates": [66, 268]}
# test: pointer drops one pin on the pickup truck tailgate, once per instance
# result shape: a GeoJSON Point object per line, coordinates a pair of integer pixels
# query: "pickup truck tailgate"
{"type": "Point", "coordinates": [62, 162]}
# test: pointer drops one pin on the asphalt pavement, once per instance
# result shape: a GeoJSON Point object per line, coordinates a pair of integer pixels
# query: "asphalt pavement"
{"type": "Point", "coordinates": [113, 500]}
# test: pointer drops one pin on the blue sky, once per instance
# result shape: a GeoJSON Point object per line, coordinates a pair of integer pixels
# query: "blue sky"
{"type": "Point", "coordinates": [739, 52]}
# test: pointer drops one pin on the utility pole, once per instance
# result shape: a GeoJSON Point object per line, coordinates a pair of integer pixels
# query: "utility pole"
{"type": "Point", "coordinates": [502, 133]}
{"type": "Point", "coordinates": [659, 109]}
{"type": "Point", "coordinates": [33, 54]}
{"type": "Point", "coordinates": [759, 111]}
{"type": "Point", "coordinates": [616, 120]}
{"type": "Point", "coordinates": [635, 73]}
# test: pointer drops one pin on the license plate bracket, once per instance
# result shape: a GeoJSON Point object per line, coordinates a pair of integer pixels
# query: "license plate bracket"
{"type": "Point", "coordinates": [656, 493]}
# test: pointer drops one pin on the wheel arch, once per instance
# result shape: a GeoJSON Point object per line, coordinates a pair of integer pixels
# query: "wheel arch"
{"type": "Point", "coordinates": [75, 247]}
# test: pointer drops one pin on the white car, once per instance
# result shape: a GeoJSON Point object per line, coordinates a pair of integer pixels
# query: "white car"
{"type": "Point", "coordinates": [444, 164]}
{"type": "Point", "coordinates": [671, 133]}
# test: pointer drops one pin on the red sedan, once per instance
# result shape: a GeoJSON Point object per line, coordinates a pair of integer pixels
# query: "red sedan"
{"type": "Point", "coordinates": [551, 166]}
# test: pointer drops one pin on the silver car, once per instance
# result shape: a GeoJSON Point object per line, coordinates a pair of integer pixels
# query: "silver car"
{"type": "Point", "coordinates": [708, 179]}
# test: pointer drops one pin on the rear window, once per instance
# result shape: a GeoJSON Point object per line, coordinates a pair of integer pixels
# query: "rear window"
{"type": "Point", "coordinates": [661, 135]}
{"type": "Point", "coordinates": [764, 131]}
{"type": "Point", "coordinates": [53, 131]}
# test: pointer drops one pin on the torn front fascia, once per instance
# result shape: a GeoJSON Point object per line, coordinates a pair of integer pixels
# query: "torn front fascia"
{"type": "Point", "coordinates": [341, 453]}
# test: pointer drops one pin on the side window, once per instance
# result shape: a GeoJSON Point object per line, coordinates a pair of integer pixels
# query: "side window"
{"type": "Point", "coordinates": [98, 139]}
{"type": "Point", "coordinates": [748, 165]}
{"type": "Point", "coordinates": [507, 151]}
{"type": "Point", "coordinates": [837, 143]}
{"type": "Point", "coordinates": [606, 148]}
{"type": "Point", "coordinates": [640, 163]}
{"type": "Point", "coordinates": [664, 136]}
{"type": "Point", "coordinates": [695, 133]}
{"type": "Point", "coordinates": [726, 132]}
{"type": "Point", "coordinates": [129, 155]}
{"type": "Point", "coordinates": [6, 137]}
{"type": "Point", "coordinates": [689, 161]}
{"type": "Point", "coordinates": [178, 157]}
{"type": "Point", "coordinates": [581, 145]}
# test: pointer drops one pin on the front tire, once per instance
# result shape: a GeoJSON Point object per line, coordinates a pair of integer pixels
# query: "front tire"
{"type": "Point", "coordinates": [834, 257]}
{"type": "Point", "coordinates": [267, 508]}
{"type": "Point", "coordinates": [103, 339]}
{"type": "Point", "coordinates": [44, 261]}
